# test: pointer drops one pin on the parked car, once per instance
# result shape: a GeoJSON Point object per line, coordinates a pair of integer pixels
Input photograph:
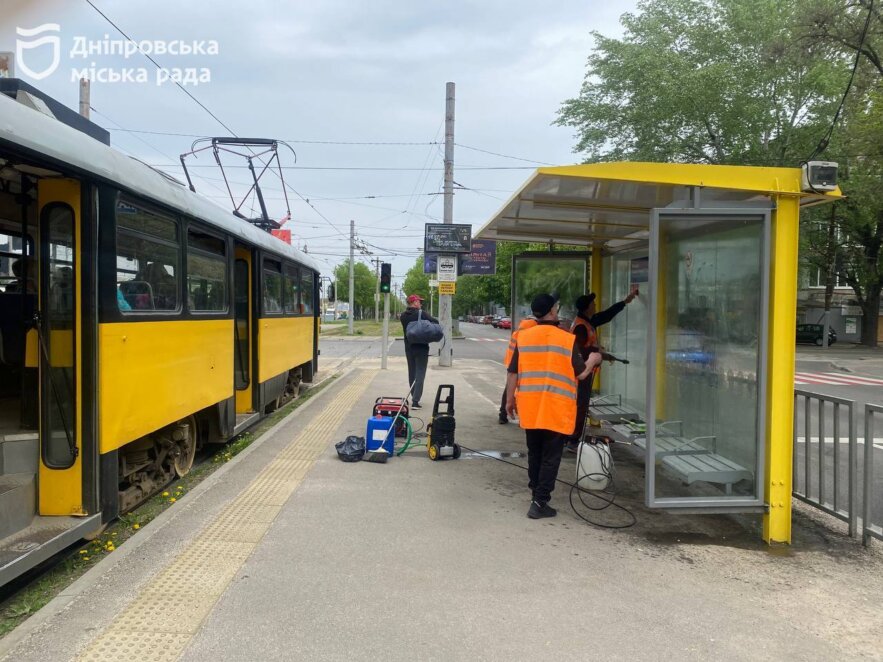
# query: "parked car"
{"type": "Point", "coordinates": [505, 323]}
{"type": "Point", "coordinates": [488, 319]}
{"type": "Point", "coordinates": [813, 333]}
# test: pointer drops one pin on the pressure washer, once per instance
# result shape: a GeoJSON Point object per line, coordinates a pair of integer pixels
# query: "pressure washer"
{"type": "Point", "coordinates": [440, 441]}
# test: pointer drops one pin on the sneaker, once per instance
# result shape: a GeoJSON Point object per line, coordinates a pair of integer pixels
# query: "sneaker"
{"type": "Point", "coordinates": [540, 510]}
{"type": "Point", "coordinates": [503, 420]}
{"type": "Point", "coordinates": [416, 405]}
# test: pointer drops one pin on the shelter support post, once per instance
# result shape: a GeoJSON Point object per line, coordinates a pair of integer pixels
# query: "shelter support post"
{"type": "Point", "coordinates": [596, 285]}
{"type": "Point", "coordinates": [780, 394]}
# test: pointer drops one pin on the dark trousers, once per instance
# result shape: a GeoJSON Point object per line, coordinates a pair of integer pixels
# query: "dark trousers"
{"type": "Point", "coordinates": [544, 449]}
{"type": "Point", "coordinates": [418, 358]}
{"type": "Point", "coordinates": [583, 395]}
{"type": "Point", "coordinates": [503, 413]}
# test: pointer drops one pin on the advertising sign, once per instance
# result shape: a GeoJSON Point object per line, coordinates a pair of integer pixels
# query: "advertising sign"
{"type": "Point", "coordinates": [482, 261]}
{"type": "Point", "coordinates": [447, 288]}
{"type": "Point", "coordinates": [447, 238]}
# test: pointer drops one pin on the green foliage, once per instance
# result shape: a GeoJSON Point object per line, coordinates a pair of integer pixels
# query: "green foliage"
{"type": "Point", "coordinates": [707, 81]}
{"type": "Point", "coordinates": [365, 285]}
{"type": "Point", "coordinates": [417, 282]}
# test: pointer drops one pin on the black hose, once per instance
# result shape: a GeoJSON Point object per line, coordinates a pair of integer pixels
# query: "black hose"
{"type": "Point", "coordinates": [607, 501]}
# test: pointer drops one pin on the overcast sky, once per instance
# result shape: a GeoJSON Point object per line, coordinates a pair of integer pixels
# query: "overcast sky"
{"type": "Point", "coordinates": [343, 71]}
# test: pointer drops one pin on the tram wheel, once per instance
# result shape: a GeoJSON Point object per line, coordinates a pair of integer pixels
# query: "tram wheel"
{"type": "Point", "coordinates": [186, 450]}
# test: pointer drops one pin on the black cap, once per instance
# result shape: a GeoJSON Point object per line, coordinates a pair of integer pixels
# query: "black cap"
{"type": "Point", "coordinates": [584, 301]}
{"type": "Point", "coordinates": [542, 304]}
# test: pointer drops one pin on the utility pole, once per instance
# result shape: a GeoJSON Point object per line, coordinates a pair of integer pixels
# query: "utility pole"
{"type": "Point", "coordinates": [85, 97]}
{"type": "Point", "coordinates": [349, 317]}
{"type": "Point", "coordinates": [446, 354]}
{"type": "Point", "coordinates": [376, 262]}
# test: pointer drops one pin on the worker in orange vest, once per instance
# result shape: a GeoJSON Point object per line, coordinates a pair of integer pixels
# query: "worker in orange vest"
{"type": "Point", "coordinates": [544, 371]}
{"type": "Point", "coordinates": [524, 324]}
{"type": "Point", "coordinates": [584, 327]}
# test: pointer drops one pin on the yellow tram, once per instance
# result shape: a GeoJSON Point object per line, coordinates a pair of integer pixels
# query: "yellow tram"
{"type": "Point", "coordinates": [138, 322]}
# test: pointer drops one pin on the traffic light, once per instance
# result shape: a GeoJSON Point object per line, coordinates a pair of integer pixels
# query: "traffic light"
{"type": "Point", "coordinates": [385, 277]}
{"type": "Point", "coordinates": [331, 292]}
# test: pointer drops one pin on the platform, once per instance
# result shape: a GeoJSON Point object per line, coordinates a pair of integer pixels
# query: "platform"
{"type": "Point", "coordinates": [287, 553]}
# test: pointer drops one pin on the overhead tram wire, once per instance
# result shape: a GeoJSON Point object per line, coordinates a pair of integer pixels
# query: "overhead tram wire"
{"type": "Point", "coordinates": [153, 147]}
{"type": "Point", "coordinates": [207, 110]}
{"type": "Point", "coordinates": [505, 156]}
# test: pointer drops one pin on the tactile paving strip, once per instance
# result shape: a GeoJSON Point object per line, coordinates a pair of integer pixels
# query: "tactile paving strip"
{"type": "Point", "coordinates": [169, 610]}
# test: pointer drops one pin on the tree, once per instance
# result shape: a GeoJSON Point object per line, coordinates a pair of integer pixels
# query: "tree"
{"type": "Point", "coordinates": [854, 28]}
{"type": "Point", "coordinates": [703, 81]}
{"type": "Point", "coordinates": [365, 286]}
{"type": "Point", "coordinates": [417, 282]}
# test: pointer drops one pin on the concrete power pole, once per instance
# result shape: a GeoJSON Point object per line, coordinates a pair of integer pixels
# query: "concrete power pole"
{"type": "Point", "coordinates": [376, 262]}
{"type": "Point", "coordinates": [446, 355]}
{"type": "Point", "coordinates": [352, 311]}
{"type": "Point", "coordinates": [85, 97]}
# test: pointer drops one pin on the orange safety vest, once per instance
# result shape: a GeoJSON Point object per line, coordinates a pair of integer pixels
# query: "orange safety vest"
{"type": "Point", "coordinates": [592, 335]}
{"type": "Point", "coordinates": [524, 324]}
{"type": "Point", "coordinates": [546, 390]}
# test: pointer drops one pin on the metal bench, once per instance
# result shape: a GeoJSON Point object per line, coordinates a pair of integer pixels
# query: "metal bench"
{"type": "Point", "coordinates": [695, 462]}
{"type": "Point", "coordinates": [609, 408]}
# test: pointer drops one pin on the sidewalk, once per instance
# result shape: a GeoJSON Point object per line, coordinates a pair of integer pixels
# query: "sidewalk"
{"type": "Point", "coordinates": [287, 553]}
{"type": "Point", "coordinates": [848, 357]}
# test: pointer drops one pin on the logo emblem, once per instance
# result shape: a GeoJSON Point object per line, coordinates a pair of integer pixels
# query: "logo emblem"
{"type": "Point", "coordinates": [36, 37]}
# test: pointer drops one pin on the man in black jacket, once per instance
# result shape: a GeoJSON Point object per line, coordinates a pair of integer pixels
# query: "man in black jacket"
{"type": "Point", "coordinates": [584, 328]}
{"type": "Point", "coordinates": [417, 353]}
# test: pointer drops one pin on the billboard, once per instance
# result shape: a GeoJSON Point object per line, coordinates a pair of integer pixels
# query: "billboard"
{"type": "Point", "coordinates": [482, 261]}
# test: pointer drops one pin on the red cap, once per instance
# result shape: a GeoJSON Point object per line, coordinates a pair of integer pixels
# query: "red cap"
{"type": "Point", "coordinates": [415, 297]}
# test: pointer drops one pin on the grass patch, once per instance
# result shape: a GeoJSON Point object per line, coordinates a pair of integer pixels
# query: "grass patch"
{"type": "Point", "coordinates": [38, 588]}
{"type": "Point", "coordinates": [363, 328]}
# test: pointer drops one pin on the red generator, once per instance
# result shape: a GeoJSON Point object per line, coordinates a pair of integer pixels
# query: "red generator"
{"type": "Point", "coordinates": [387, 406]}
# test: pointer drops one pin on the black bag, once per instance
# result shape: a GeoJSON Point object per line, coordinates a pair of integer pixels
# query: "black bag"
{"type": "Point", "coordinates": [351, 449]}
{"type": "Point", "coordinates": [423, 332]}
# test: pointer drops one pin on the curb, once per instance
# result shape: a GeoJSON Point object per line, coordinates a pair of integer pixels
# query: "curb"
{"type": "Point", "coordinates": [61, 601]}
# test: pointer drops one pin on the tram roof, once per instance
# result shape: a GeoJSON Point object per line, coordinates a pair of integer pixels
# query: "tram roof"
{"type": "Point", "coordinates": [609, 204]}
{"type": "Point", "coordinates": [47, 137]}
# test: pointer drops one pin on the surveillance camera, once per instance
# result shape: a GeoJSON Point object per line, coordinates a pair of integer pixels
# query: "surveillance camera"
{"type": "Point", "coordinates": [819, 176]}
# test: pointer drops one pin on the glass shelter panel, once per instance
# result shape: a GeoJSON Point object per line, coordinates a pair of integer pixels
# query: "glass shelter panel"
{"type": "Point", "coordinates": [625, 336]}
{"type": "Point", "coordinates": [563, 273]}
{"type": "Point", "coordinates": [707, 392]}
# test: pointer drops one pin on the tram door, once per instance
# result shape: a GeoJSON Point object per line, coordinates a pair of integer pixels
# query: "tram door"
{"type": "Point", "coordinates": [58, 347]}
{"type": "Point", "coordinates": [242, 330]}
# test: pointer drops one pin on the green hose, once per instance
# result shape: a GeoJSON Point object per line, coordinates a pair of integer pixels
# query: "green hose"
{"type": "Point", "coordinates": [410, 433]}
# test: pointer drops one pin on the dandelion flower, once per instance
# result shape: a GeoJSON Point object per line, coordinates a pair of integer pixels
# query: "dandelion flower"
{"type": "Point", "coordinates": [83, 551]}
{"type": "Point", "coordinates": [136, 526]}
{"type": "Point", "coordinates": [165, 494]}
{"type": "Point", "coordinates": [172, 500]}
{"type": "Point", "coordinates": [85, 558]}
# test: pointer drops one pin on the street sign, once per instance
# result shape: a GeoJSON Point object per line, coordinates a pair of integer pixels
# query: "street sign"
{"type": "Point", "coordinates": [433, 283]}
{"type": "Point", "coordinates": [447, 288]}
{"type": "Point", "coordinates": [447, 268]}
{"type": "Point", "coordinates": [447, 238]}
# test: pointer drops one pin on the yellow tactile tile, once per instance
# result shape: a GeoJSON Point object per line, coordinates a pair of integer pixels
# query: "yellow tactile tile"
{"type": "Point", "coordinates": [159, 623]}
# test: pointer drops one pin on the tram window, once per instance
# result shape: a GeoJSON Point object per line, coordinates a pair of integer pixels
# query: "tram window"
{"type": "Point", "coordinates": [11, 262]}
{"type": "Point", "coordinates": [147, 260]}
{"type": "Point", "coordinates": [206, 273]}
{"type": "Point", "coordinates": [206, 282]}
{"type": "Point", "coordinates": [272, 287]}
{"type": "Point", "coordinates": [306, 292]}
{"type": "Point", "coordinates": [291, 287]}
{"type": "Point", "coordinates": [135, 217]}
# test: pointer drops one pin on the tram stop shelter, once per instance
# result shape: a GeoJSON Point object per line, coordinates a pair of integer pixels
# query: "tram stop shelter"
{"type": "Point", "coordinates": [708, 393]}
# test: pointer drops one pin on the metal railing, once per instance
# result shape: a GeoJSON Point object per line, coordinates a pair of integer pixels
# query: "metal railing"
{"type": "Point", "coordinates": [869, 527]}
{"type": "Point", "coordinates": [812, 486]}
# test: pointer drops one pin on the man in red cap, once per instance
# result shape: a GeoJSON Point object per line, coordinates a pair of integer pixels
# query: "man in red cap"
{"type": "Point", "coordinates": [416, 353]}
